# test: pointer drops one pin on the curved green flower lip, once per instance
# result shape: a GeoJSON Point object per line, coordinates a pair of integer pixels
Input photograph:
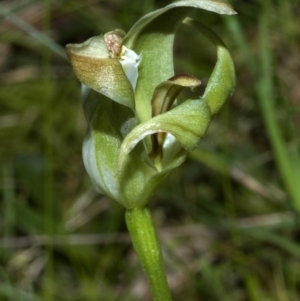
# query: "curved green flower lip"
{"type": "Point", "coordinates": [165, 93]}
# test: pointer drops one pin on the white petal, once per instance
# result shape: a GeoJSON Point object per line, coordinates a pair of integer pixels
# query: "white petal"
{"type": "Point", "coordinates": [130, 62]}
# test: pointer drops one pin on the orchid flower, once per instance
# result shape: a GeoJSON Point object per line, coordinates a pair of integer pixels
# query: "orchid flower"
{"type": "Point", "coordinates": [138, 132]}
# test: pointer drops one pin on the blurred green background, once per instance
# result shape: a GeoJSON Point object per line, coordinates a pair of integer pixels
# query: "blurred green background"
{"type": "Point", "coordinates": [228, 218]}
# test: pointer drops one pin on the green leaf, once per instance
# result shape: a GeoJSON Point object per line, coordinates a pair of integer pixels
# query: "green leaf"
{"type": "Point", "coordinates": [222, 80]}
{"type": "Point", "coordinates": [187, 123]}
{"type": "Point", "coordinates": [152, 37]}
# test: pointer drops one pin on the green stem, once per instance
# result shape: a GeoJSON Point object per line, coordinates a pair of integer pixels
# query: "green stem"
{"type": "Point", "coordinates": [147, 247]}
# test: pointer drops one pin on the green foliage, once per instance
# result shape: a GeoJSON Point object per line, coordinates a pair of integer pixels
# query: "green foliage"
{"type": "Point", "coordinates": [227, 217]}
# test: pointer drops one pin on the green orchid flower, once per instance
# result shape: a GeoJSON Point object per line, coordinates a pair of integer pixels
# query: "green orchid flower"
{"type": "Point", "coordinates": [138, 132]}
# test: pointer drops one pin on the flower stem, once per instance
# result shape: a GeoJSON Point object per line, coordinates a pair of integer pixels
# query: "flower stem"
{"type": "Point", "coordinates": [147, 247]}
